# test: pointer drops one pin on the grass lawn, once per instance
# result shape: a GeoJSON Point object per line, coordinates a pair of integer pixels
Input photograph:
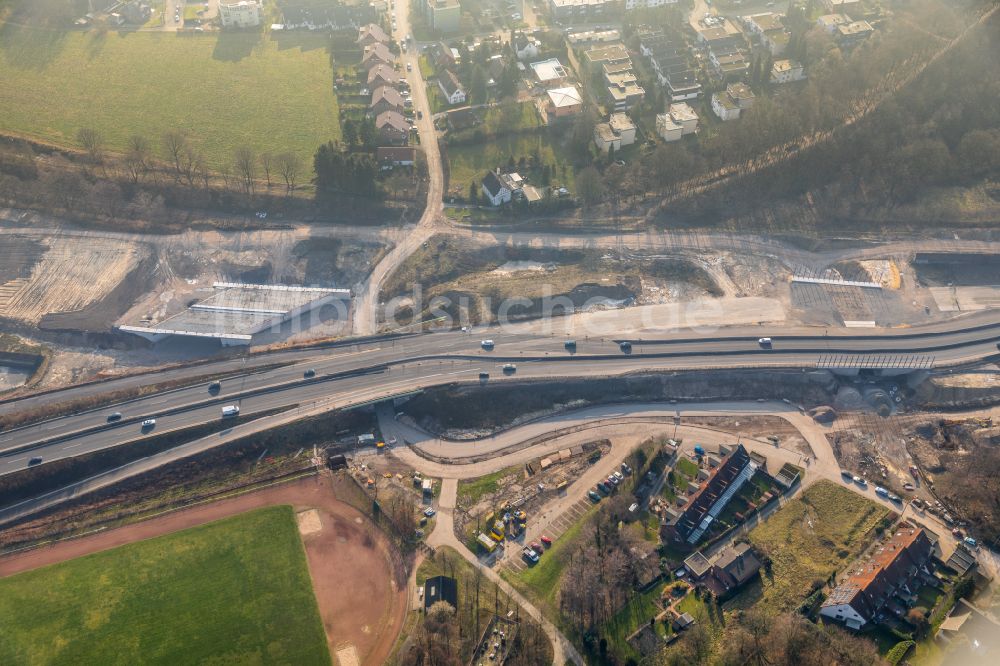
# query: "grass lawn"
{"type": "Point", "coordinates": [687, 467]}
{"type": "Point", "coordinates": [233, 591]}
{"type": "Point", "coordinates": [471, 162]}
{"type": "Point", "coordinates": [626, 621]}
{"type": "Point", "coordinates": [541, 580]}
{"type": "Point", "coordinates": [808, 539]}
{"type": "Point", "coordinates": [209, 85]}
{"type": "Point", "coordinates": [470, 492]}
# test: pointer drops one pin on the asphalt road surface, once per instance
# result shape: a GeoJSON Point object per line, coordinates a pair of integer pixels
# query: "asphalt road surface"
{"type": "Point", "coordinates": [382, 369]}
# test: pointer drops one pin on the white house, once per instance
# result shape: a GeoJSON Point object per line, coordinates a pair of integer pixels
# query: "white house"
{"type": "Point", "coordinates": [525, 46]}
{"type": "Point", "coordinates": [682, 114]}
{"type": "Point", "coordinates": [618, 132]}
{"type": "Point", "coordinates": [451, 87]}
{"type": "Point", "coordinates": [724, 106]}
{"type": "Point", "coordinates": [495, 190]}
{"type": "Point", "coordinates": [241, 14]}
{"type": "Point", "coordinates": [667, 128]}
{"type": "Point", "coordinates": [786, 71]}
{"type": "Point", "coordinates": [647, 4]}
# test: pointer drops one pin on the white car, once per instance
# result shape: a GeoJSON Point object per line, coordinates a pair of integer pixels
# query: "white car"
{"type": "Point", "coordinates": [487, 344]}
{"type": "Point", "coordinates": [148, 424]}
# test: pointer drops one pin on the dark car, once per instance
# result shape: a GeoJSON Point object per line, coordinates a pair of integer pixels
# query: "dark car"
{"type": "Point", "coordinates": [625, 346]}
{"type": "Point", "coordinates": [215, 387]}
{"type": "Point", "coordinates": [117, 416]}
{"type": "Point", "coordinates": [37, 460]}
{"type": "Point", "coordinates": [509, 369]}
{"type": "Point", "coordinates": [309, 373]}
{"type": "Point", "coordinates": [483, 376]}
{"type": "Point", "coordinates": [594, 497]}
{"type": "Point", "coordinates": [570, 346]}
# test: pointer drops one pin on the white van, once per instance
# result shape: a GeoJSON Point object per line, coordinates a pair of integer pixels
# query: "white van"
{"type": "Point", "coordinates": [230, 410]}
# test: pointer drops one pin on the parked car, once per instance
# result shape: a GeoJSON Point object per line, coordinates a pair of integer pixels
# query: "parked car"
{"type": "Point", "coordinates": [530, 555]}
{"type": "Point", "coordinates": [626, 468]}
{"type": "Point", "coordinates": [881, 492]}
{"type": "Point", "coordinates": [546, 540]}
{"type": "Point", "coordinates": [861, 482]}
{"type": "Point", "coordinates": [847, 475]}
{"type": "Point", "coordinates": [116, 416]}
{"type": "Point", "coordinates": [429, 511]}
{"type": "Point", "coordinates": [537, 548]}
{"type": "Point", "coordinates": [593, 496]}
{"type": "Point", "coordinates": [619, 476]}
{"type": "Point", "coordinates": [969, 541]}
{"type": "Point", "coordinates": [613, 481]}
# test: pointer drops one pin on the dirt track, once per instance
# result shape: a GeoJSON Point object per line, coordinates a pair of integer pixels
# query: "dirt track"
{"type": "Point", "coordinates": [361, 600]}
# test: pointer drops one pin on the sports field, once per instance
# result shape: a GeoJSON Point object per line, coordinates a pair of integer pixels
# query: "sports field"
{"type": "Point", "coordinates": [271, 93]}
{"type": "Point", "coordinates": [232, 591]}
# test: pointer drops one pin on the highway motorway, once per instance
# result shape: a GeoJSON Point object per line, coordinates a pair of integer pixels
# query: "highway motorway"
{"type": "Point", "coordinates": [396, 366]}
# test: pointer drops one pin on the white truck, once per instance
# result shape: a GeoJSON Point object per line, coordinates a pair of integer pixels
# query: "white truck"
{"type": "Point", "coordinates": [230, 411]}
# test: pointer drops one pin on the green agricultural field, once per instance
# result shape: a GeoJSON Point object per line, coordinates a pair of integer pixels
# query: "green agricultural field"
{"type": "Point", "coordinates": [273, 93]}
{"type": "Point", "coordinates": [235, 591]}
{"type": "Point", "coordinates": [808, 539]}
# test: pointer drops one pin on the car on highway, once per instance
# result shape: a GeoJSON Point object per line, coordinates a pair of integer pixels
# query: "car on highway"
{"type": "Point", "coordinates": [593, 496]}
{"type": "Point", "coordinates": [309, 373]}
{"type": "Point", "coordinates": [570, 346]}
{"type": "Point", "coordinates": [509, 369]}
{"type": "Point", "coordinates": [36, 460]}
{"type": "Point", "coordinates": [115, 416]}
{"type": "Point", "coordinates": [215, 387]}
{"type": "Point", "coordinates": [483, 376]}
{"type": "Point", "coordinates": [148, 424]}
{"type": "Point", "coordinates": [488, 345]}
{"type": "Point", "coordinates": [765, 343]}
{"type": "Point", "coordinates": [230, 411]}
{"type": "Point", "coordinates": [625, 346]}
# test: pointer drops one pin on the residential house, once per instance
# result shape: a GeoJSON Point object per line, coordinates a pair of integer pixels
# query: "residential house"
{"type": "Point", "coordinates": [683, 621]}
{"type": "Point", "coordinates": [377, 53]}
{"type": "Point", "coordinates": [647, 4]}
{"type": "Point", "coordinates": [611, 70]}
{"type": "Point", "coordinates": [682, 86]}
{"type": "Point", "coordinates": [682, 114]}
{"type": "Point", "coordinates": [451, 87]}
{"type": "Point", "coordinates": [371, 34]}
{"type": "Point", "coordinates": [550, 73]}
{"type": "Point", "coordinates": [709, 497]}
{"type": "Point", "coordinates": [240, 14]}
{"type": "Point", "coordinates": [386, 98]}
{"type": "Point", "coordinates": [570, 10]}
{"type": "Point", "coordinates": [770, 30]}
{"type": "Point", "coordinates": [440, 588]}
{"type": "Point", "coordinates": [447, 56]}
{"type": "Point", "coordinates": [732, 568]}
{"type": "Point", "coordinates": [563, 102]}
{"type": "Point", "coordinates": [382, 75]}
{"type": "Point", "coordinates": [667, 128]}
{"type": "Point", "coordinates": [617, 132]}
{"type": "Point", "coordinates": [891, 571]}
{"type": "Point", "coordinates": [334, 16]}
{"type": "Point", "coordinates": [392, 127]}
{"type": "Point", "coordinates": [728, 105]}
{"type": "Point", "coordinates": [612, 54]}
{"type": "Point", "coordinates": [442, 15]}
{"type": "Point", "coordinates": [389, 157]}
{"type": "Point", "coordinates": [525, 46]}
{"type": "Point", "coordinates": [787, 71]}
{"type": "Point", "coordinates": [625, 91]}
{"type": "Point", "coordinates": [849, 34]}
{"type": "Point", "coordinates": [849, 7]}
{"type": "Point", "coordinates": [721, 32]}
{"type": "Point", "coordinates": [730, 62]}
{"type": "Point", "coordinates": [495, 190]}
{"type": "Point", "coordinates": [593, 37]}
{"type": "Point", "coordinates": [829, 22]}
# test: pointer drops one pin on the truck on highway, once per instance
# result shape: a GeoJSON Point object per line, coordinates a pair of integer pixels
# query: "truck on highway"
{"type": "Point", "coordinates": [230, 411]}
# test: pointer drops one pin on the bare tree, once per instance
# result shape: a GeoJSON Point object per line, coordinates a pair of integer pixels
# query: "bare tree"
{"type": "Point", "coordinates": [266, 161]}
{"type": "Point", "coordinates": [245, 163]}
{"type": "Point", "coordinates": [92, 142]}
{"type": "Point", "coordinates": [137, 157]}
{"type": "Point", "coordinates": [289, 166]}
{"type": "Point", "coordinates": [191, 164]}
{"type": "Point", "coordinates": [175, 147]}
